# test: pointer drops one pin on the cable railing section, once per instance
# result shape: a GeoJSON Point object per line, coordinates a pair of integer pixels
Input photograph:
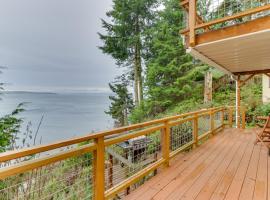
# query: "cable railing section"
{"type": "Point", "coordinates": [108, 164]}
{"type": "Point", "coordinates": [211, 10]}
{"type": "Point", "coordinates": [209, 15]}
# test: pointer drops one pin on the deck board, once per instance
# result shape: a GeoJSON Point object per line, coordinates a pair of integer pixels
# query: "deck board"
{"type": "Point", "coordinates": [237, 182]}
{"type": "Point", "coordinates": [189, 175]}
{"type": "Point", "coordinates": [210, 168]}
{"type": "Point", "coordinates": [198, 185]}
{"type": "Point", "coordinates": [153, 186]}
{"type": "Point", "coordinates": [229, 166]}
{"type": "Point", "coordinates": [212, 183]}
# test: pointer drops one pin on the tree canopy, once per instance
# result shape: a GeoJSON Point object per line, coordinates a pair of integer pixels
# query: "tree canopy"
{"type": "Point", "coordinates": [126, 34]}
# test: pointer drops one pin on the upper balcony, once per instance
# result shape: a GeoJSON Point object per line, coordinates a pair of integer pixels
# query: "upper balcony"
{"type": "Point", "coordinates": [231, 35]}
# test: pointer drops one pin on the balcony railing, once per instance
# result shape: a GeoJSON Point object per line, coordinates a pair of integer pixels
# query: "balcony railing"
{"type": "Point", "coordinates": [208, 15]}
{"type": "Point", "coordinates": [106, 164]}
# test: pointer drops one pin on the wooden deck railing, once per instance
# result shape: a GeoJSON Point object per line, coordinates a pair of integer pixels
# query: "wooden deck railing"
{"type": "Point", "coordinates": [210, 15]}
{"type": "Point", "coordinates": [104, 165]}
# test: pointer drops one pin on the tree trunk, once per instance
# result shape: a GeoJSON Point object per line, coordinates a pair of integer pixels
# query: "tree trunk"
{"type": "Point", "coordinates": [138, 82]}
{"type": "Point", "coordinates": [208, 87]}
{"type": "Point", "coordinates": [136, 91]}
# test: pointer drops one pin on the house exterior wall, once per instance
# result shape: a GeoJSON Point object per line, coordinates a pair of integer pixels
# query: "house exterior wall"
{"type": "Point", "coordinates": [266, 89]}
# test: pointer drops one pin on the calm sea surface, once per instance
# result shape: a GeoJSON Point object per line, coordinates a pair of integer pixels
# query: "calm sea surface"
{"type": "Point", "coordinates": [65, 114]}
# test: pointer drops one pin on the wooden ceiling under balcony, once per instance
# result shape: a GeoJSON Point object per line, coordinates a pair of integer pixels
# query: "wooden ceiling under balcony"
{"type": "Point", "coordinates": [237, 49]}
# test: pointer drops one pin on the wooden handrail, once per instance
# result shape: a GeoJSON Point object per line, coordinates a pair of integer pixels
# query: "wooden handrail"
{"type": "Point", "coordinates": [46, 160]}
{"type": "Point", "coordinates": [100, 142]}
{"type": "Point", "coordinates": [10, 155]}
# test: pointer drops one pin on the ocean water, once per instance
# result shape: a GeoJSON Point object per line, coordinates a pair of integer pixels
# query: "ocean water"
{"type": "Point", "coordinates": [65, 115]}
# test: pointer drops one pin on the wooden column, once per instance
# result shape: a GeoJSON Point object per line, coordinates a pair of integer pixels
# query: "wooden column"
{"type": "Point", "coordinates": [99, 169]}
{"type": "Point", "coordinates": [238, 102]}
{"type": "Point", "coordinates": [192, 22]}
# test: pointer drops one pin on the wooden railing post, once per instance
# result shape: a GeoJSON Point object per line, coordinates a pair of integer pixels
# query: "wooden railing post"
{"type": "Point", "coordinates": [99, 169]}
{"type": "Point", "coordinates": [195, 130]}
{"type": "Point", "coordinates": [212, 122]}
{"type": "Point", "coordinates": [243, 117]}
{"type": "Point", "coordinates": [166, 144]}
{"type": "Point", "coordinates": [192, 22]}
{"type": "Point", "coordinates": [230, 117]}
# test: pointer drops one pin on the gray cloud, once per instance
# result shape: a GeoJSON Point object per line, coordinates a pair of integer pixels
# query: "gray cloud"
{"type": "Point", "coordinates": [53, 44]}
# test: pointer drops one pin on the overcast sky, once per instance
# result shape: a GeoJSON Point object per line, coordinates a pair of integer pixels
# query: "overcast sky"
{"type": "Point", "coordinates": [51, 45]}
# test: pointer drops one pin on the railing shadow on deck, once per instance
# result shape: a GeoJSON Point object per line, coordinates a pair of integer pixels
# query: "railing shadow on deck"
{"type": "Point", "coordinates": [106, 164]}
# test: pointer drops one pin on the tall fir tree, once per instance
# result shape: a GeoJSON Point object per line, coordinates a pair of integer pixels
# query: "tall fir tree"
{"type": "Point", "coordinates": [121, 101]}
{"type": "Point", "coordinates": [125, 37]}
{"type": "Point", "coordinates": [171, 75]}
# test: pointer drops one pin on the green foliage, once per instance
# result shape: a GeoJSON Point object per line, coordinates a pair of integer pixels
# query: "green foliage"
{"type": "Point", "coordinates": [122, 33]}
{"type": "Point", "coordinates": [126, 36]}
{"type": "Point", "coordinates": [171, 76]}
{"type": "Point", "coordinates": [144, 113]}
{"type": "Point", "coordinates": [121, 101]}
{"type": "Point", "coordinates": [262, 110]}
{"type": "Point", "coordinates": [9, 128]}
{"type": "Point", "coordinates": [173, 80]}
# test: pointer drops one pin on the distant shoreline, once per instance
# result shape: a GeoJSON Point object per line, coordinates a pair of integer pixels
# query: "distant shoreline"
{"type": "Point", "coordinates": [56, 92]}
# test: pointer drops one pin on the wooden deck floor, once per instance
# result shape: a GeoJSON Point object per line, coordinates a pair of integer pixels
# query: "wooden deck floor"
{"type": "Point", "coordinates": [229, 166]}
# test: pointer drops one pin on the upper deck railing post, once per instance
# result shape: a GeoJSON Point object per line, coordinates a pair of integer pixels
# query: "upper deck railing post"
{"type": "Point", "coordinates": [166, 144]}
{"type": "Point", "coordinates": [192, 22]}
{"type": "Point", "coordinates": [99, 169]}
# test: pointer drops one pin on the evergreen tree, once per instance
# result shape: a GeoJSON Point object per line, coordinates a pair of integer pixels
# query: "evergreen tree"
{"type": "Point", "coordinates": [171, 74]}
{"type": "Point", "coordinates": [126, 35]}
{"type": "Point", "coordinates": [9, 128]}
{"type": "Point", "coordinates": [121, 101]}
{"type": "Point", "coordinates": [9, 125]}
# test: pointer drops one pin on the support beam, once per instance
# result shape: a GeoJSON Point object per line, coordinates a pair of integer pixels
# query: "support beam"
{"type": "Point", "coordinates": [242, 83]}
{"type": "Point", "coordinates": [253, 26]}
{"type": "Point", "coordinates": [184, 3]}
{"type": "Point", "coordinates": [267, 74]}
{"type": "Point", "coordinates": [264, 71]}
